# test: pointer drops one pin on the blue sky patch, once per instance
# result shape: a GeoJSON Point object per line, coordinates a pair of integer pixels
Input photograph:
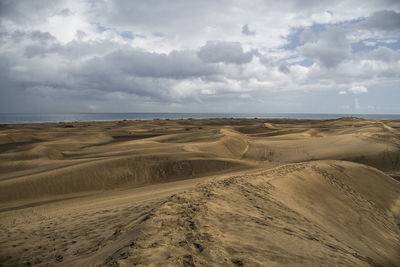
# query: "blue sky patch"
{"type": "Point", "coordinates": [127, 35]}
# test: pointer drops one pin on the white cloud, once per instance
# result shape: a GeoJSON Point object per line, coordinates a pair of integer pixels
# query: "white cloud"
{"type": "Point", "coordinates": [390, 41]}
{"type": "Point", "coordinates": [358, 90]}
{"type": "Point", "coordinates": [342, 92]}
{"type": "Point", "coordinates": [207, 91]}
{"type": "Point", "coordinates": [369, 43]}
{"type": "Point", "coordinates": [322, 17]}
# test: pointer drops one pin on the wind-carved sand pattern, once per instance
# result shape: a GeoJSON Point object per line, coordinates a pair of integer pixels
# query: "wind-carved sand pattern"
{"type": "Point", "coordinates": [212, 192]}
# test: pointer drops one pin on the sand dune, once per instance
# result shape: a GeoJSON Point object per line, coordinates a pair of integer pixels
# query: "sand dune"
{"type": "Point", "coordinates": [201, 192]}
{"type": "Point", "coordinates": [105, 174]}
{"type": "Point", "coordinates": [372, 144]}
{"type": "Point", "coordinates": [230, 145]}
{"type": "Point", "coordinates": [307, 213]}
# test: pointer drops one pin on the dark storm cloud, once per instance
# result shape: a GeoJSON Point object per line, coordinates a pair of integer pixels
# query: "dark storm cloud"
{"type": "Point", "coordinates": [225, 52]}
{"type": "Point", "coordinates": [246, 30]}
{"type": "Point", "coordinates": [105, 79]}
{"type": "Point", "coordinates": [24, 12]}
{"type": "Point", "coordinates": [284, 68]}
{"type": "Point", "coordinates": [175, 65]}
{"type": "Point", "coordinates": [36, 42]}
{"type": "Point", "coordinates": [41, 36]}
{"type": "Point", "coordinates": [134, 71]}
{"type": "Point", "coordinates": [18, 36]}
{"type": "Point", "coordinates": [39, 50]}
{"type": "Point", "coordinates": [386, 20]}
{"type": "Point", "coordinates": [72, 50]}
{"type": "Point", "coordinates": [141, 73]}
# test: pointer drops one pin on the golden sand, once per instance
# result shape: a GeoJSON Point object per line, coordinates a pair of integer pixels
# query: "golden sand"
{"type": "Point", "coordinates": [244, 192]}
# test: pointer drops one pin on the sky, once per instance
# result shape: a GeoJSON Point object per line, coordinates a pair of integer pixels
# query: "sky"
{"type": "Point", "coordinates": [309, 56]}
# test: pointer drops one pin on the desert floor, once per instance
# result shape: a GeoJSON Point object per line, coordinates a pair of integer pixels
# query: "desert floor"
{"type": "Point", "coordinates": [213, 192]}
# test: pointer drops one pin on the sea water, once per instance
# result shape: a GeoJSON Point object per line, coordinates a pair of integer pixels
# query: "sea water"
{"type": "Point", "coordinates": [73, 117]}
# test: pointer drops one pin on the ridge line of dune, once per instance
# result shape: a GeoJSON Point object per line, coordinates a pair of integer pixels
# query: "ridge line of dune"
{"type": "Point", "coordinates": [192, 210]}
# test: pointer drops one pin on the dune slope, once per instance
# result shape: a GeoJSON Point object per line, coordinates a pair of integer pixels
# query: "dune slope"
{"type": "Point", "coordinates": [321, 212]}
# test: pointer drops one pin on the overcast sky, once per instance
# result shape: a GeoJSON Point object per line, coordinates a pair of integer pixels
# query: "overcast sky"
{"type": "Point", "coordinates": [200, 56]}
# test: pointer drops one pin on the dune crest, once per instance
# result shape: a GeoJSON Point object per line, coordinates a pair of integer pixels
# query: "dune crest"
{"type": "Point", "coordinates": [304, 213]}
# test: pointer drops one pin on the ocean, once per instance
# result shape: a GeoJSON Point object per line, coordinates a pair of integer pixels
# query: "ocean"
{"type": "Point", "coordinates": [12, 118]}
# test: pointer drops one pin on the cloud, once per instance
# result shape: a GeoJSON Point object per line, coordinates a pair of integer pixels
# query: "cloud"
{"type": "Point", "coordinates": [65, 12]}
{"type": "Point", "coordinates": [307, 36]}
{"type": "Point", "coordinates": [224, 52]}
{"type": "Point", "coordinates": [284, 68]}
{"type": "Point", "coordinates": [246, 30]}
{"type": "Point", "coordinates": [41, 36]}
{"type": "Point", "coordinates": [61, 55]}
{"type": "Point", "coordinates": [385, 20]}
{"type": "Point", "coordinates": [369, 43]}
{"type": "Point", "coordinates": [358, 90]}
{"type": "Point", "coordinates": [383, 54]}
{"type": "Point", "coordinates": [18, 36]}
{"type": "Point", "coordinates": [331, 48]}
{"type": "Point", "coordinates": [26, 12]}
{"type": "Point", "coordinates": [176, 64]}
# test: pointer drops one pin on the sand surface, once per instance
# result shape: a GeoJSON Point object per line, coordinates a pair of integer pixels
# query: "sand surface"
{"type": "Point", "coordinates": [212, 192]}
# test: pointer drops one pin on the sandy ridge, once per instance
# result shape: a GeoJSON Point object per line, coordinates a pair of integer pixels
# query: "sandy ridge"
{"type": "Point", "coordinates": [199, 227]}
